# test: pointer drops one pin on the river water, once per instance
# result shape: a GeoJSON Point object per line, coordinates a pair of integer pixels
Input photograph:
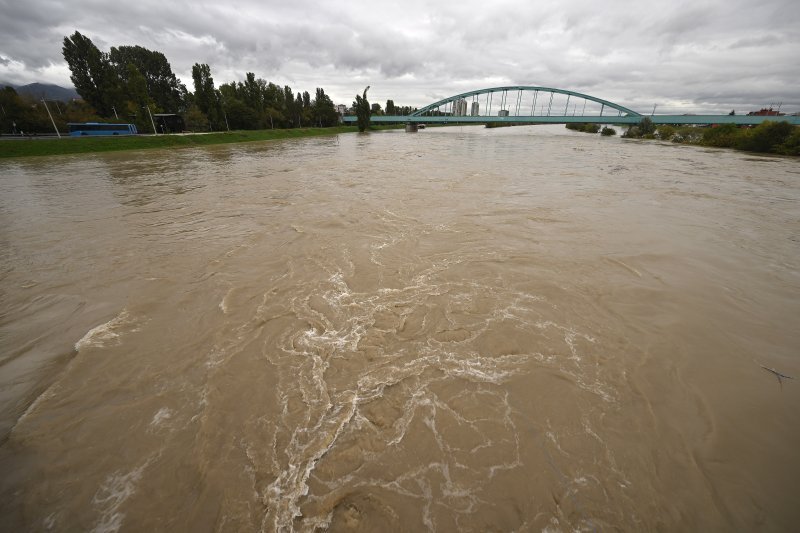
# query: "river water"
{"type": "Point", "coordinates": [463, 329]}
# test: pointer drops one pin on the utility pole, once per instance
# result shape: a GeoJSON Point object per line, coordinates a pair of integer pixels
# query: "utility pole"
{"type": "Point", "coordinates": [221, 101]}
{"type": "Point", "coordinates": [151, 119]}
{"type": "Point", "coordinates": [51, 118]}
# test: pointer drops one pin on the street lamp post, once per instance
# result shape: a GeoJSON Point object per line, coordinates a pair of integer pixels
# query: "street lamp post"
{"type": "Point", "coordinates": [151, 119]}
{"type": "Point", "coordinates": [51, 118]}
{"type": "Point", "coordinates": [224, 114]}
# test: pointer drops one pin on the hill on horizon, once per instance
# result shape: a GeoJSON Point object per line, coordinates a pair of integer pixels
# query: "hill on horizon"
{"type": "Point", "coordinates": [47, 91]}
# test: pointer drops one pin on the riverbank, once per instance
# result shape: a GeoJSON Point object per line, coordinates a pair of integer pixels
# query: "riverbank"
{"type": "Point", "coordinates": [768, 137]}
{"type": "Point", "coordinates": [82, 145]}
{"type": "Point", "coordinates": [773, 137]}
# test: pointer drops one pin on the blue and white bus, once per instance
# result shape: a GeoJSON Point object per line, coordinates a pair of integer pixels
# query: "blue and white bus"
{"type": "Point", "coordinates": [77, 129]}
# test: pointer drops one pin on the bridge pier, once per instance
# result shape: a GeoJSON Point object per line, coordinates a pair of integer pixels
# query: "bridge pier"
{"type": "Point", "coordinates": [411, 127]}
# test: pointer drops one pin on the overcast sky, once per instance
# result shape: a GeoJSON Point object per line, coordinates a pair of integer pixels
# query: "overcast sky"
{"type": "Point", "coordinates": [684, 56]}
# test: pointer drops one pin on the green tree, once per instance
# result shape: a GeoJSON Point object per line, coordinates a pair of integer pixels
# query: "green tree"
{"type": "Point", "coordinates": [299, 111]}
{"type": "Point", "coordinates": [205, 96]}
{"type": "Point", "coordinates": [324, 111]}
{"type": "Point", "coordinates": [162, 86]}
{"type": "Point", "coordinates": [251, 93]}
{"type": "Point", "coordinates": [23, 114]}
{"type": "Point", "coordinates": [195, 119]}
{"type": "Point", "coordinates": [665, 132]}
{"type": "Point", "coordinates": [240, 115]}
{"type": "Point", "coordinates": [274, 105]}
{"type": "Point", "coordinates": [94, 77]}
{"type": "Point", "coordinates": [646, 126]}
{"type": "Point", "coordinates": [791, 146]}
{"type": "Point", "coordinates": [390, 108]}
{"type": "Point", "coordinates": [766, 137]}
{"type": "Point", "coordinates": [289, 105]}
{"type": "Point", "coordinates": [11, 110]}
{"type": "Point", "coordinates": [362, 109]}
{"type": "Point", "coordinates": [724, 136]}
{"type": "Point", "coordinates": [138, 98]}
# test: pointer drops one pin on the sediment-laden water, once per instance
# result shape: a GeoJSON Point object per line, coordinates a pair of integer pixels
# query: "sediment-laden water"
{"type": "Point", "coordinates": [463, 329]}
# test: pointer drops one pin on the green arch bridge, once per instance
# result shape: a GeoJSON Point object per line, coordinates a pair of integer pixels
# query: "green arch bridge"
{"type": "Point", "coordinates": [547, 105]}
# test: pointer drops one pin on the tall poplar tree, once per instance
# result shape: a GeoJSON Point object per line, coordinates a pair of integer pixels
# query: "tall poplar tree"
{"type": "Point", "coordinates": [361, 105]}
{"type": "Point", "coordinates": [205, 96]}
{"type": "Point", "coordinates": [94, 77]}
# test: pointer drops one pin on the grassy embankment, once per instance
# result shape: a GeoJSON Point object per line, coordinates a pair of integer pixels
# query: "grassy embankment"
{"type": "Point", "coordinates": [83, 145]}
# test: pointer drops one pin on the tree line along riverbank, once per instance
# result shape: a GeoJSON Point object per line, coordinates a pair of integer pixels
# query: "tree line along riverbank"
{"type": "Point", "coordinates": [131, 84]}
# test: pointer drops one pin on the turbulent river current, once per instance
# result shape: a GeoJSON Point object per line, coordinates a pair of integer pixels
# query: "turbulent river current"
{"type": "Point", "coordinates": [462, 329]}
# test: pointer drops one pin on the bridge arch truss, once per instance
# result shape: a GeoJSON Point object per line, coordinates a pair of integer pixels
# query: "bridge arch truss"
{"type": "Point", "coordinates": [524, 101]}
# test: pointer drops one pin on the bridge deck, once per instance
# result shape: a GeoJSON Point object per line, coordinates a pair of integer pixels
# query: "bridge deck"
{"type": "Point", "coordinates": [657, 119]}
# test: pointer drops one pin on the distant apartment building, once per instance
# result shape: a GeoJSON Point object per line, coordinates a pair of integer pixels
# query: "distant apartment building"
{"type": "Point", "coordinates": [341, 109]}
{"type": "Point", "coordinates": [476, 109]}
{"type": "Point", "coordinates": [502, 113]}
{"type": "Point", "coordinates": [460, 108]}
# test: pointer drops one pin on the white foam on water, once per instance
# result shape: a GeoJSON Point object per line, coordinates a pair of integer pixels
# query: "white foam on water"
{"type": "Point", "coordinates": [284, 493]}
{"type": "Point", "coordinates": [105, 334]}
{"type": "Point", "coordinates": [223, 304]}
{"type": "Point", "coordinates": [50, 521]}
{"type": "Point", "coordinates": [116, 489]}
{"type": "Point", "coordinates": [338, 319]}
{"type": "Point", "coordinates": [160, 417]}
{"type": "Point", "coordinates": [49, 393]}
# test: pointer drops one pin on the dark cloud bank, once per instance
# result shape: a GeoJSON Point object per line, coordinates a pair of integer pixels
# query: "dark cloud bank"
{"type": "Point", "coordinates": [682, 56]}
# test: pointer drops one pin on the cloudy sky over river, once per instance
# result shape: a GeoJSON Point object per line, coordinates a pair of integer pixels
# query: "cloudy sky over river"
{"type": "Point", "coordinates": [681, 56]}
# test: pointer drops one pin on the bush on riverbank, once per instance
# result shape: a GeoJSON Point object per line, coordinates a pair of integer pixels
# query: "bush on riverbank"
{"type": "Point", "coordinates": [607, 132]}
{"type": "Point", "coordinates": [583, 127]}
{"type": "Point", "coordinates": [644, 130]}
{"type": "Point", "coordinates": [767, 137]}
{"type": "Point", "coordinates": [665, 132]}
{"type": "Point", "coordinates": [770, 137]}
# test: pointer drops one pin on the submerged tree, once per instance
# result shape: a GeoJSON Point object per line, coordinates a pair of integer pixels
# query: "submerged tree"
{"type": "Point", "coordinates": [362, 108]}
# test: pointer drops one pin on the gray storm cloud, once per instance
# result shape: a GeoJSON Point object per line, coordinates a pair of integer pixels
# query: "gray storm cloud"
{"type": "Point", "coordinates": [693, 56]}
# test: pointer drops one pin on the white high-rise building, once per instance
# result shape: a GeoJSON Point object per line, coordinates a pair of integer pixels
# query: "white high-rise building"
{"type": "Point", "coordinates": [476, 109]}
{"type": "Point", "coordinates": [460, 108]}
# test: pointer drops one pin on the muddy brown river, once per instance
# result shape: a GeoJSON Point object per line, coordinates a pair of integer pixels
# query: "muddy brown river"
{"type": "Point", "coordinates": [463, 329]}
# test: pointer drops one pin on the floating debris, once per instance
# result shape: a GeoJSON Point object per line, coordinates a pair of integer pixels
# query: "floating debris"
{"type": "Point", "coordinates": [778, 375]}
